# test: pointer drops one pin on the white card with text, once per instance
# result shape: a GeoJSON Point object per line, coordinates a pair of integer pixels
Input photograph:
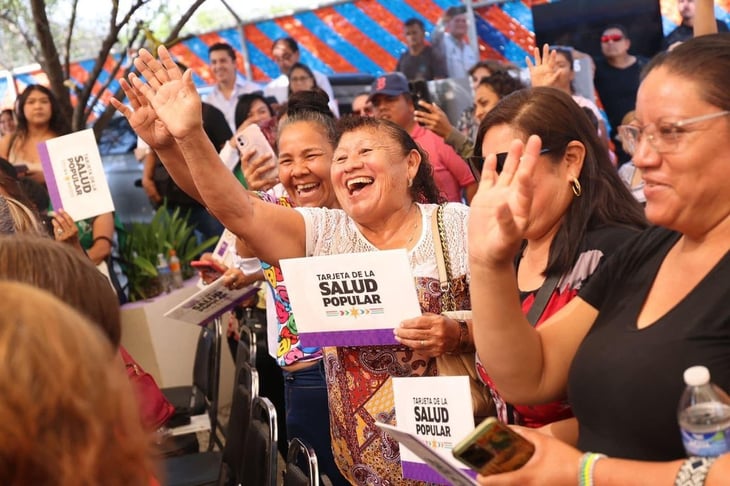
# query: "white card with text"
{"type": "Point", "coordinates": [75, 175]}
{"type": "Point", "coordinates": [353, 299]}
{"type": "Point", "coordinates": [437, 410]}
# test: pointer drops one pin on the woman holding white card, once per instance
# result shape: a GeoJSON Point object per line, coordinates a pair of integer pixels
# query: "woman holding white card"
{"type": "Point", "coordinates": [382, 181]}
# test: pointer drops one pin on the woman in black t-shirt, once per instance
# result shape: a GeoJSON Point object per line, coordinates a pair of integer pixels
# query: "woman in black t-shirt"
{"type": "Point", "coordinates": [657, 307]}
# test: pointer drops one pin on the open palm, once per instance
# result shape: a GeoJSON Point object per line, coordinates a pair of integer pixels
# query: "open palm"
{"type": "Point", "coordinates": [169, 92]}
{"type": "Point", "coordinates": [143, 119]}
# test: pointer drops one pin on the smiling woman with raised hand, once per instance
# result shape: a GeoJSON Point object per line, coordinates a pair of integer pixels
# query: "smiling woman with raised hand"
{"type": "Point", "coordinates": [384, 184]}
{"type": "Point", "coordinates": [660, 305]}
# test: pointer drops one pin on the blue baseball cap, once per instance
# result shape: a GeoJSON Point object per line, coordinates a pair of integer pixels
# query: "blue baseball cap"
{"type": "Point", "coordinates": [389, 84]}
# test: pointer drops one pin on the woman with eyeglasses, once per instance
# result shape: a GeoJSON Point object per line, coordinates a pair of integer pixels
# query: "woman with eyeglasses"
{"type": "Point", "coordinates": [301, 78]}
{"type": "Point", "coordinates": [659, 306]}
{"type": "Point", "coordinates": [580, 214]}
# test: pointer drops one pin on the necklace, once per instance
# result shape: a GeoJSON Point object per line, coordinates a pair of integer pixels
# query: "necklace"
{"type": "Point", "coordinates": [415, 227]}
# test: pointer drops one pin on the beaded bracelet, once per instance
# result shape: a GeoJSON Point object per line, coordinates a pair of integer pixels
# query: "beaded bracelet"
{"type": "Point", "coordinates": [693, 471]}
{"type": "Point", "coordinates": [585, 469]}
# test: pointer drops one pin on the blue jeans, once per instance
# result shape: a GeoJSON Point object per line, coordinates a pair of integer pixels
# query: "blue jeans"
{"type": "Point", "coordinates": [308, 418]}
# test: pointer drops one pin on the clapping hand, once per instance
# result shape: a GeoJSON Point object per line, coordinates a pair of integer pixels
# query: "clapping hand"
{"type": "Point", "coordinates": [501, 208]}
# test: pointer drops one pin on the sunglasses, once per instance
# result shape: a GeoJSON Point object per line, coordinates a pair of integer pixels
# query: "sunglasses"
{"type": "Point", "coordinates": [476, 162]}
{"type": "Point", "coordinates": [611, 38]}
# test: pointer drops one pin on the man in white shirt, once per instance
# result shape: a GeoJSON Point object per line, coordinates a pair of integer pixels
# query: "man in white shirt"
{"type": "Point", "coordinates": [229, 86]}
{"type": "Point", "coordinates": [285, 53]}
{"type": "Point", "coordinates": [454, 44]}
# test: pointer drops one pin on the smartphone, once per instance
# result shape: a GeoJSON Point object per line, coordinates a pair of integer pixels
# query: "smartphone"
{"type": "Point", "coordinates": [493, 448]}
{"type": "Point", "coordinates": [252, 136]}
{"type": "Point", "coordinates": [420, 91]}
{"type": "Point", "coordinates": [207, 265]}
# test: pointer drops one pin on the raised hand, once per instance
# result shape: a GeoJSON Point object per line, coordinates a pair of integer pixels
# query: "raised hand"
{"type": "Point", "coordinates": [169, 92]}
{"type": "Point", "coordinates": [543, 72]}
{"type": "Point", "coordinates": [502, 206]}
{"type": "Point", "coordinates": [142, 118]}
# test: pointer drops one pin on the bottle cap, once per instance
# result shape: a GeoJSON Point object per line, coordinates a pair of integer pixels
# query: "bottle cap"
{"type": "Point", "coordinates": [696, 376]}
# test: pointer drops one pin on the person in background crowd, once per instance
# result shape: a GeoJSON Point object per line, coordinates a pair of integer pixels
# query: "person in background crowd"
{"type": "Point", "coordinates": [628, 172]}
{"type": "Point", "coordinates": [617, 79]}
{"type": "Point", "coordinates": [7, 122]}
{"type": "Point", "coordinates": [160, 187]}
{"type": "Point", "coordinates": [361, 105]}
{"type": "Point", "coordinates": [228, 85]}
{"type": "Point", "coordinates": [420, 61]}
{"type": "Point", "coordinates": [467, 124]}
{"type": "Point", "coordinates": [39, 119]}
{"type": "Point", "coordinates": [301, 78]}
{"type": "Point", "coordinates": [285, 53]}
{"type": "Point", "coordinates": [685, 29]}
{"type": "Point", "coordinates": [487, 94]}
{"type": "Point", "coordinates": [554, 68]}
{"type": "Point", "coordinates": [659, 306]}
{"type": "Point", "coordinates": [454, 45]}
{"type": "Point", "coordinates": [67, 409]}
{"type": "Point", "coordinates": [251, 108]}
{"type": "Point", "coordinates": [392, 101]}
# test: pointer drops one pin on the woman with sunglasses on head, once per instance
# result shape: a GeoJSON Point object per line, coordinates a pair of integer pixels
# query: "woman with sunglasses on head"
{"type": "Point", "coordinates": [659, 306]}
{"type": "Point", "coordinates": [581, 213]}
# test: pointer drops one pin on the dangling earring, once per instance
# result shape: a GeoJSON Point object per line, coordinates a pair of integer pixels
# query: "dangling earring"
{"type": "Point", "coordinates": [410, 182]}
{"type": "Point", "coordinates": [575, 184]}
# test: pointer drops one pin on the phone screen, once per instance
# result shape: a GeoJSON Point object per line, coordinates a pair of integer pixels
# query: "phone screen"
{"type": "Point", "coordinates": [419, 91]}
{"type": "Point", "coordinates": [493, 448]}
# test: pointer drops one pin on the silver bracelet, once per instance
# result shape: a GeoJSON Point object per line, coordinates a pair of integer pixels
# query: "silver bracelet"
{"type": "Point", "coordinates": [693, 471]}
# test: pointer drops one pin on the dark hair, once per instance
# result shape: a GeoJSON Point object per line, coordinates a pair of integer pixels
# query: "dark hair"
{"type": "Point", "coordinates": [306, 69]}
{"type": "Point", "coordinates": [58, 124]}
{"type": "Point", "coordinates": [7, 111]}
{"type": "Point", "coordinates": [424, 188]}
{"type": "Point", "coordinates": [310, 106]}
{"type": "Point", "coordinates": [290, 43]}
{"type": "Point", "coordinates": [244, 104]}
{"type": "Point", "coordinates": [558, 120]}
{"type": "Point", "coordinates": [7, 226]}
{"type": "Point", "coordinates": [222, 46]}
{"type": "Point", "coordinates": [490, 65]}
{"type": "Point", "coordinates": [620, 27]}
{"type": "Point", "coordinates": [454, 10]}
{"type": "Point", "coordinates": [704, 60]}
{"type": "Point", "coordinates": [502, 83]}
{"type": "Point", "coordinates": [415, 21]}
{"type": "Point", "coordinates": [566, 52]}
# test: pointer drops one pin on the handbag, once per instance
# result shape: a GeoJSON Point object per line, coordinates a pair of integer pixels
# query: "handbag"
{"type": "Point", "coordinates": [457, 364]}
{"type": "Point", "coordinates": [154, 408]}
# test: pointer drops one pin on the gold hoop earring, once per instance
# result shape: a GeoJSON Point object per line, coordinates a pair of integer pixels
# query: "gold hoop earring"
{"type": "Point", "coordinates": [577, 190]}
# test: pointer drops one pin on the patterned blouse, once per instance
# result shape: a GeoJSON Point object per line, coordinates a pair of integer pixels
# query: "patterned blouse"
{"type": "Point", "coordinates": [359, 378]}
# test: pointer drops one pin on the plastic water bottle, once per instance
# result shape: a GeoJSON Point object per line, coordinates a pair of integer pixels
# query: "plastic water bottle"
{"type": "Point", "coordinates": [163, 272]}
{"type": "Point", "coordinates": [175, 271]}
{"type": "Point", "coordinates": [704, 415]}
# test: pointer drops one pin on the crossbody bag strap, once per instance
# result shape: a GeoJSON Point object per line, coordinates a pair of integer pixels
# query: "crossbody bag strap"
{"type": "Point", "coordinates": [442, 259]}
{"type": "Point", "coordinates": [541, 299]}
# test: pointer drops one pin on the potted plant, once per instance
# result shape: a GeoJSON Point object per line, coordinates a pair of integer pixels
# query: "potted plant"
{"type": "Point", "coordinates": [144, 241]}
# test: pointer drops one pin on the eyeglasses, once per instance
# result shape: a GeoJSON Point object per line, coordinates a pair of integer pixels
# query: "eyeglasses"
{"type": "Point", "coordinates": [612, 38]}
{"type": "Point", "coordinates": [663, 136]}
{"type": "Point", "coordinates": [476, 162]}
{"type": "Point", "coordinates": [299, 79]}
